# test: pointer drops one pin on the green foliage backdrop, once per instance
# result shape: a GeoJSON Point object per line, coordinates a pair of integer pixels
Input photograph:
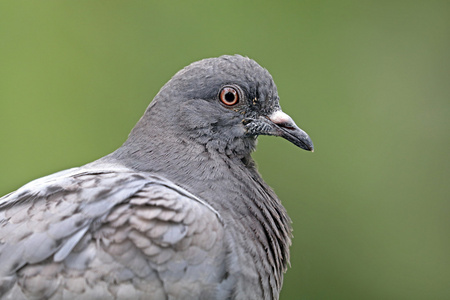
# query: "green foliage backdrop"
{"type": "Point", "coordinates": [368, 80]}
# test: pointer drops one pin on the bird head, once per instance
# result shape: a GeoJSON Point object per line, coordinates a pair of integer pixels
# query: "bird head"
{"type": "Point", "coordinates": [224, 103]}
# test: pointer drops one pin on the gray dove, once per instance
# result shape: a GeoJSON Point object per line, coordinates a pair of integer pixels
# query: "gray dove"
{"type": "Point", "coordinates": [179, 211]}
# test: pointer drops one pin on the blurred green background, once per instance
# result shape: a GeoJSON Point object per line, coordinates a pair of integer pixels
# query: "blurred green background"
{"type": "Point", "coordinates": [368, 80]}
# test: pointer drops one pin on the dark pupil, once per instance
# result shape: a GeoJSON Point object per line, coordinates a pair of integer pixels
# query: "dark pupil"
{"type": "Point", "coordinates": [229, 97]}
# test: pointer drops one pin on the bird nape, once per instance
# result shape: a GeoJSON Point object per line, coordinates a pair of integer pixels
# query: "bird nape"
{"type": "Point", "coordinates": [179, 211]}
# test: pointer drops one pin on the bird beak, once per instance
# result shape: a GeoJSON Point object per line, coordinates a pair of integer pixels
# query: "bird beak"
{"type": "Point", "coordinates": [283, 125]}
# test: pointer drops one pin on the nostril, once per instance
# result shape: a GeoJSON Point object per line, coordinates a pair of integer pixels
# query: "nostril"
{"type": "Point", "coordinates": [286, 125]}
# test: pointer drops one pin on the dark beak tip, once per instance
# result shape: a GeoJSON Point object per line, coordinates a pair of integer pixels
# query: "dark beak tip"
{"type": "Point", "coordinates": [308, 145]}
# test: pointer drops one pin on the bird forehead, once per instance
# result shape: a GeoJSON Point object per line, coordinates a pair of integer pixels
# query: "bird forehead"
{"type": "Point", "coordinates": [228, 69]}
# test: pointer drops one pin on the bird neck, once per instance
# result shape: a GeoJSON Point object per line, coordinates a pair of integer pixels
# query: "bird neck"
{"type": "Point", "coordinates": [180, 159]}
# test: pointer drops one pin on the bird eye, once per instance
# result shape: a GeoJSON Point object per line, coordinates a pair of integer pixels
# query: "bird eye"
{"type": "Point", "coordinates": [229, 96]}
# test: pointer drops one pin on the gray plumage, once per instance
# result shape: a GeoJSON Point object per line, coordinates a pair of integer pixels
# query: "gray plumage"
{"type": "Point", "coordinates": [178, 212]}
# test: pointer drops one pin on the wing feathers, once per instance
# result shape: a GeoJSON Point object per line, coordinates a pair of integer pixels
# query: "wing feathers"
{"type": "Point", "coordinates": [104, 224]}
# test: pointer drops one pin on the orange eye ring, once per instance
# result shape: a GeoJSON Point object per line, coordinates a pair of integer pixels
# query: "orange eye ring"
{"type": "Point", "coordinates": [229, 96]}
